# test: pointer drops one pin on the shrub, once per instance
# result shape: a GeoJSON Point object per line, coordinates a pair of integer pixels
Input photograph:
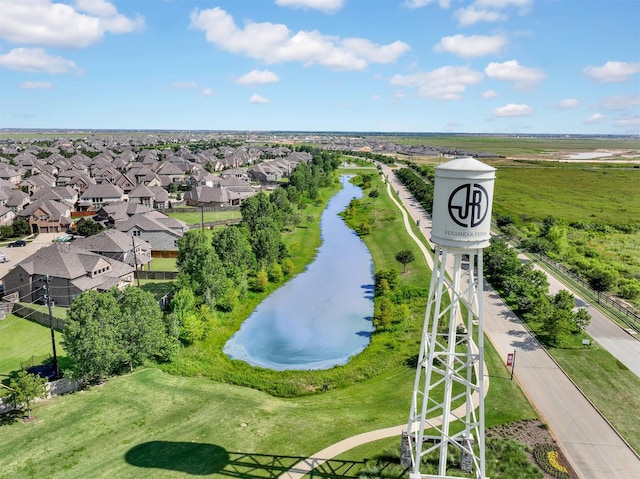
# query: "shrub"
{"type": "Point", "coordinates": [261, 281]}
{"type": "Point", "coordinates": [274, 273]}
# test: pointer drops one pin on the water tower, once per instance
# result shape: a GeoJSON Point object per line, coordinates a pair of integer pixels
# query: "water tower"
{"type": "Point", "coordinates": [449, 373]}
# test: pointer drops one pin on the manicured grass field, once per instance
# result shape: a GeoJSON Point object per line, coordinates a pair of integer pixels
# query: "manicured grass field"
{"type": "Point", "coordinates": [609, 384]}
{"type": "Point", "coordinates": [20, 339]}
{"type": "Point", "coordinates": [163, 264]}
{"type": "Point", "coordinates": [196, 216]}
{"type": "Point", "coordinates": [153, 425]}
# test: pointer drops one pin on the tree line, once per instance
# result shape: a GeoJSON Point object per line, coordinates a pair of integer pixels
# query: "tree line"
{"type": "Point", "coordinates": [115, 331]}
{"type": "Point", "coordinates": [526, 290]}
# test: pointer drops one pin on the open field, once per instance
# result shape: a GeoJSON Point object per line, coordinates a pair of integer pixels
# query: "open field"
{"type": "Point", "coordinates": [587, 193]}
{"type": "Point", "coordinates": [20, 339]}
{"type": "Point", "coordinates": [153, 425]}
{"type": "Point", "coordinates": [524, 147]}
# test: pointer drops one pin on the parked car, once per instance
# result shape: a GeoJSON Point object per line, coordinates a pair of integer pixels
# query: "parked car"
{"type": "Point", "coordinates": [16, 244]}
{"type": "Point", "coordinates": [4, 258]}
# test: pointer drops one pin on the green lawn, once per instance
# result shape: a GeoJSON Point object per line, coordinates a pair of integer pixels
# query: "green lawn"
{"type": "Point", "coordinates": [20, 339]}
{"type": "Point", "coordinates": [196, 216]}
{"type": "Point", "coordinates": [162, 264]}
{"type": "Point", "coordinates": [154, 425]}
{"type": "Point", "coordinates": [609, 384]}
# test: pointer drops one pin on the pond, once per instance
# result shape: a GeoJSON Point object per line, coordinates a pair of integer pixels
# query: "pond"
{"type": "Point", "coordinates": [322, 316]}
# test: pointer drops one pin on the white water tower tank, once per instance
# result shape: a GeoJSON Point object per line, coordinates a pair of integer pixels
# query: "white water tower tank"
{"type": "Point", "coordinates": [462, 201]}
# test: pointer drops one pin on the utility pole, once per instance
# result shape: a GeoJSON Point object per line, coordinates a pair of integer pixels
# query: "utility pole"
{"type": "Point", "coordinates": [202, 216]}
{"type": "Point", "coordinates": [53, 336]}
{"type": "Point", "coordinates": [135, 259]}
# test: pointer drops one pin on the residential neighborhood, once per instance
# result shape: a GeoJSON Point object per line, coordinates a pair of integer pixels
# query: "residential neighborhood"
{"type": "Point", "coordinates": [127, 185]}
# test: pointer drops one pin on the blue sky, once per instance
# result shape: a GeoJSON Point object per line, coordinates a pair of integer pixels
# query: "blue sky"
{"type": "Point", "coordinates": [475, 66]}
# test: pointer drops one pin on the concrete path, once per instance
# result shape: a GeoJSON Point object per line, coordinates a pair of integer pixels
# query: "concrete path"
{"type": "Point", "coordinates": [590, 444]}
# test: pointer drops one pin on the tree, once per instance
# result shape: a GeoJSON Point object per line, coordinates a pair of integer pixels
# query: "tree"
{"type": "Point", "coordinates": [21, 227]}
{"type": "Point", "coordinates": [266, 241]}
{"type": "Point", "coordinates": [88, 228]}
{"type": "Point", "coordinates": [405, 257]}
{"type": "Point", "coordinates": [602, 278]}
{"type": "Point", "coordinates": [107, 333]}
{"type": "Point", "coordinates": [385, 281]}
{"type": "Point", "coordinates": [234, 250]}
{"type": "Point", "coordinates": [257, 208]}
{"type": "Point", "coordinates": [274, 272]}
{"type": "Point", "coordinates": [185, 311]}
{"type": "Point", "coordinates": [199, 267]}
{"type": "Point", "coordinates": [26, 388]}
{"type": "Point", "coordinates": [141, 331]}
{"type": "Point", "coordinates": [90, 336]}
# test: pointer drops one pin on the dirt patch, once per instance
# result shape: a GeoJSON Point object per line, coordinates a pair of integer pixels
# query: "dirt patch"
{"type": "Point", "coordinates": [531, 433]}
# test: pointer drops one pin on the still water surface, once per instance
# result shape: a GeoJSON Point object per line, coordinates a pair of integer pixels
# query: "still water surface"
{"type": "Point", "coordinates": [321, 317]}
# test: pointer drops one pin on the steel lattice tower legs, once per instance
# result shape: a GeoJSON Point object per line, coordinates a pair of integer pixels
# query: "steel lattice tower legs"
{"type": "Point", "coordinates": [450, 370]}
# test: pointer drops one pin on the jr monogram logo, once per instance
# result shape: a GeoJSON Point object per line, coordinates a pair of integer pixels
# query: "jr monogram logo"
{"type": "Point", "coordinates": [468, 205]}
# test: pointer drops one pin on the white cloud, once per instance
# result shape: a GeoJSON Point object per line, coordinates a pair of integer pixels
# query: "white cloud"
{"type": "Point", "coordinates": [595, 119]}
{"type": "Point", "coordinates": [256, 77]}
{"type": "Point", "coordinates": [47, 23]}
{"type": "Point", "coordinates": [612, 72]}
{"type": "Point", "coordinates": [36, 85]}
{"type": "Point", "coordinates": [258, 99]}
{"type": "Point", "coordinates": [446, 83]}
{"type": "Point", "coordinates": [207, 92]}
{"type": "Point", "coordinates": [513, 109]}
{"type": "Point", "coordinates": [489, 94]}
{"type": "Point", "coordinates": [628, 122]}
{"type": "Point", "coordinates": [522, 77]}
{"type": "Point", "coordinates": [490, 11]}
{"type": "Point", "coordinates": [275, 43]}
{"type": "Point", "coordinates": [36, 60]}
{"type": "Point", "coordinates": [569, 103]}
{"type": "Point", "coordinates": [328, 6]}
{"type": "Point", "coordinates": [523, 5]}
{"type": "Point", "coordinates": [471, 46]}
{"type": "Point", "coordinates": [376, 97]}
{"type": "Point", "coordinates": [180, 85]}
{"type": "Point", "coordinates": [423, 3]}
{"type": "Point", "coordinates": [471, 16]}
{"type": "Point", "coordinates": [620, 102]}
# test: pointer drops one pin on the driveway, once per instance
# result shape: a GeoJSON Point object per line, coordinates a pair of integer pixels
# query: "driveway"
{"type": "Point", "coordinates": [16, 255]}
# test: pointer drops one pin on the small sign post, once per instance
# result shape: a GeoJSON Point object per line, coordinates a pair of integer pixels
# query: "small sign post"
{"type": "Point", "coordinates": [511, 361]}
